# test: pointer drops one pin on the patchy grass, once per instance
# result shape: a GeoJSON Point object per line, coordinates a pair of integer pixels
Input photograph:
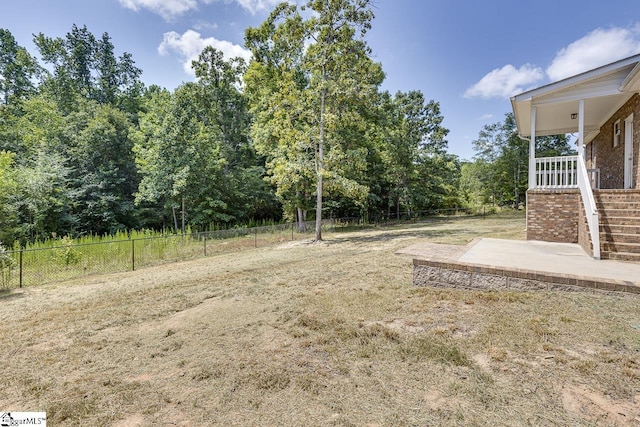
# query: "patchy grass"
{"type": "Point", "coordinates": [321, 334]}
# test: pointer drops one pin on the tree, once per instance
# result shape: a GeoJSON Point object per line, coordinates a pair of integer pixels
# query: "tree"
{"type": "Point", "coordinates": [242, 187]}
{"type": "Point", "coordinates": [179, 155]}
{"type": "Point", "coordinates": [103, 175]}
{"type": "Point", "coordinates": [8, 186]}
{"type": "Point", "coordinates": [86, 67]}
{"type": "Point", "coordinates": [42, 197]}
{"type": "Point", "coordinates": [193, 147]}
{"type": "Point", "coordinates": [317, 76]}
{"type": "Point", "coordinates": [502, 159]}
{"type": "Point", "coordinates": [17, 69]}
{"type": "Point", "coordinates": [414, 148]}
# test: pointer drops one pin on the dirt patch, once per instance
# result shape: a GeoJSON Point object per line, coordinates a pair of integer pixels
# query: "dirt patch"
{"type": "Point", "coordinates": [600, 409]}
{"type": "Point", "coordinates": [134, 420]}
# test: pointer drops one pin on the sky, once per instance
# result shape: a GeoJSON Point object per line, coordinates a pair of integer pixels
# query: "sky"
{"type": "Point", "coordinates": [471, 56]}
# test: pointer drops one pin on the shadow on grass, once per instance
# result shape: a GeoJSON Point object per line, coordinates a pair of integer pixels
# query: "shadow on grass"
{"type": "Point", "coordinates": [390, 235]}
{"type": "Point", "coordinates": [9, 294]}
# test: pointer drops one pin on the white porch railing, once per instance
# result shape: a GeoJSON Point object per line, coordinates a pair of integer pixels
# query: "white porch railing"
{"type": "Point", "coordinates": [572, 172]}
{"type": "Point", "coordinates": [594, 178]}
{"type": "Point", "coordinates": [556, 172]}
{"type": "Point", "coordinates": [590, 209]}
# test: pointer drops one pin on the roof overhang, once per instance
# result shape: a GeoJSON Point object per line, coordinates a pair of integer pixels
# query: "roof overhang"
{"type": "Point", "coordinates": [604, 90]}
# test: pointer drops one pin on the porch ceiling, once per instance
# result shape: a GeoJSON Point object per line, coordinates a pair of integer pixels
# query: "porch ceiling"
{"type": "Point", "coordinates": [603, 89]}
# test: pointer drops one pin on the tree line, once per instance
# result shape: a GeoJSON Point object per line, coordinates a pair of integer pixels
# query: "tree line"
{"type": "Point", "coordinates": [302, 131]}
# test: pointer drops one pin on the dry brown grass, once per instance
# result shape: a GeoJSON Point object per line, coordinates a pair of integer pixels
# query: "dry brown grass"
{"type": "Point", "coordinates": [319, 334]}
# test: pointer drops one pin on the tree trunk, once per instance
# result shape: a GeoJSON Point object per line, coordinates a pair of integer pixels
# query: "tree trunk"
{"type": "Point", "coordinates": [175, 219]}
{"type": "Point", "coordinates": [183, 230]}
{"type": "Point", "coordinates": [302, 218]}
{"type": "Point", "coordinates": [320, 164]}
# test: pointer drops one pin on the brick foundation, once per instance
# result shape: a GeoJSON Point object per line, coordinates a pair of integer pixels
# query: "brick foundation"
{"type": "Point", "coordinates": [553, 215]}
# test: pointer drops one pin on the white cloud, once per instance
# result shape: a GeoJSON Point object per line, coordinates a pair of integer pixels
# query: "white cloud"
{"type": "Point", "coordinates": [505, 82]}
{"type": "Point", "coordinates": [205, 25]}
{"type": "Point", "coordinates": [168, 9]}
{"type": "Point", "coordinates": [599, 47]}
{"type": "Point", "coordinates": [252, 6]}
{"type": "Point", "coordinates": [189, 45]}
{"type": "Point", "coordinates": [486, 116]}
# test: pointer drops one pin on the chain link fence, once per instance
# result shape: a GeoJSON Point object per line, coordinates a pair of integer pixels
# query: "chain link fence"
{"type": "Point", "coordinates": [31, 267]}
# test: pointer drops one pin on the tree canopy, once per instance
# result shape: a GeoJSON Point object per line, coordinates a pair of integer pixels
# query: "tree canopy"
{"type": "Point", "coordinates": [302, 131]}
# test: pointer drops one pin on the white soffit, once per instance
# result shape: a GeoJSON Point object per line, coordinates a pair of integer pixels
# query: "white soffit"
{"type": "Point", "coordinates": [604, 90]}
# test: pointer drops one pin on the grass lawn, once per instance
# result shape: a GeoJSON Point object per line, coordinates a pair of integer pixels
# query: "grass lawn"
{"type": "Point", "coordinates": [326, 334]}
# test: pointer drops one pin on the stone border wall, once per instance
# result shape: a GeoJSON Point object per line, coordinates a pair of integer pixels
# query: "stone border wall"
{"type": "Point", "coordinates": [440, 274]}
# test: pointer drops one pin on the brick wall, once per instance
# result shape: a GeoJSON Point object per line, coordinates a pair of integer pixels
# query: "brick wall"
{"type": "Point", "coordinates": [553, 215]}
{"type": "Point", "coordinates": [602, 154]}
{"type": "Point", "coordinates": [584, 237]}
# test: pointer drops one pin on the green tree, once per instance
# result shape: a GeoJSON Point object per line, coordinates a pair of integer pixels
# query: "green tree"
{"type": "Point", "coordinates": [242, 187]}
{"type": "Point", "coordinates": [502, 159]}
{"type": "Point", "coordinates": [86, 67]}
{"type": "Point", "coordinates": [275, 86]}
{"type": "Point", "coordinates": [103, 174]}
{"type": "Point", "coordinates": [42, 198]}
{"type": "Point", "coordinates": [8, 187]}
{"type": "Point", "coordinates": [414, 150]}
{"type": "Point", "coordinates": [18, 69]}
{"type": "Point", "coordinates": [179, 156]}
{"type": "Point", "coordinates": [318, 76]}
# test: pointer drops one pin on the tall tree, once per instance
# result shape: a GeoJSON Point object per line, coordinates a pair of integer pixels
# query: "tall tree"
{"type": "Point", "coordinates": [179, 156]}
{"type": "Point", "coordinates": [8, 186]}
{"type": "Point", "coordinates": [86, 67]}
{"type": "Point", "coordinates": [414, 145]}
{"type": "Point", "coordinates": [275, 85]}
{"type": "Point", "coordinates": [42, 198]}
{"type": "Point", "coordinates": [319, 70]}
{"type": "Point", "coordinates": [18, 69]}
{"type": "Point", "coordinates": [103, 174]}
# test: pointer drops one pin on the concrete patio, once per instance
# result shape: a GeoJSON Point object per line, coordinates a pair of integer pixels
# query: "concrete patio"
{"type": "Point", "coordinates": [517, 264]}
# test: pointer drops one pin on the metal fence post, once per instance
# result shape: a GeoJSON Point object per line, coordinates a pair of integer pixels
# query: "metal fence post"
{"type": "Point", "coordinates": [21, 250]}
{"type": "Point", "coordinates": [205, 244]}
{"type": "Point", "coordinates": [133, 255]}
{"type": "Point", "coordinates": [292, 225]}
{"type": "Point", "coordinates": [255, 237]}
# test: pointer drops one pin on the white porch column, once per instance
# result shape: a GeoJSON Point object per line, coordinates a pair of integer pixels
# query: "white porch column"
{"type": "Point", "coordinates": [532, 149]}
{"type": "Point", "coordinates": [581, 150]}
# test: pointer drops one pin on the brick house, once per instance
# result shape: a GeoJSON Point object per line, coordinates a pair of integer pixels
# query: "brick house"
{"type": "Point", "coordinates": [592, 199]}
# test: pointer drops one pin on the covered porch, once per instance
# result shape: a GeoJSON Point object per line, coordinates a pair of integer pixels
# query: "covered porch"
{"type": "Point", "coordinates": [583, 105]}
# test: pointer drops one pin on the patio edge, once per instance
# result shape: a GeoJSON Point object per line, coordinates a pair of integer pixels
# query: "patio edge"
{"type": "Point", "coordinates": [453, 274]}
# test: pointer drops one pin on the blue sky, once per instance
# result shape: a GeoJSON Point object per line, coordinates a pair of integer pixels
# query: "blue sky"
{"type": "Point", "coordinates": [469, 55]}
